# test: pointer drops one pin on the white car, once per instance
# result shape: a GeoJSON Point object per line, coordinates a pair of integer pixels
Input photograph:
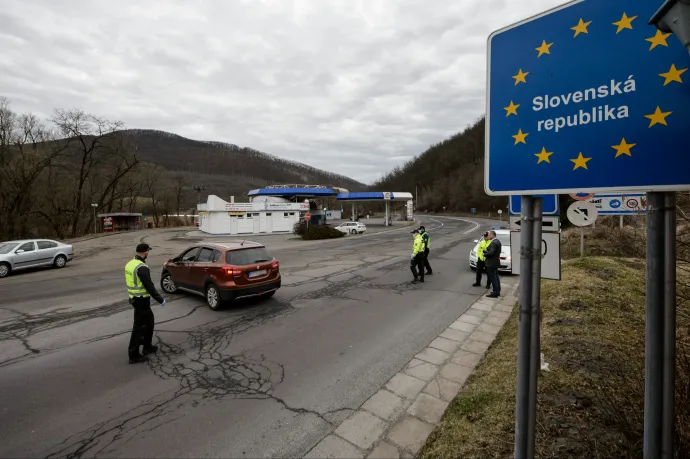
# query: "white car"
{"type": "Point", "coordinates": [503, 235]}
{"type": "Point", "coordinates": [352, 227]}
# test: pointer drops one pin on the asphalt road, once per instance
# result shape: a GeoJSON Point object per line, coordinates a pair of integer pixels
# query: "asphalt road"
{"type": "Point", "coordinates": [266, 378]}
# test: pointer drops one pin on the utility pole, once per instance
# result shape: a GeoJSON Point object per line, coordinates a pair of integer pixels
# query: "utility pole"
{"type": "Point", "coordinates": [198, 189]}
{"type": "Point", "coordinates": [94, 207]}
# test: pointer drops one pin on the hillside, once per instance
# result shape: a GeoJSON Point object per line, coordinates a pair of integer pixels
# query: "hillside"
{"type": "Point", "coordinates": [450, 174]}
{"type": "Point", "coordinates": [54, 177]}
{"type": "Point", "coordinates": [246, 168]}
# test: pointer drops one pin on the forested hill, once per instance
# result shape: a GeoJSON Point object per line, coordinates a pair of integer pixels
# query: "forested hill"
{"type": "Point", "coordinates": [177, 153]}
{"type": "Point", "coordinates": [450, 174]}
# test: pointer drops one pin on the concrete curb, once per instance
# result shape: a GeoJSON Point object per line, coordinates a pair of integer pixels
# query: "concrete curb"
{"type": "Point", "coordinates": [396, 421]}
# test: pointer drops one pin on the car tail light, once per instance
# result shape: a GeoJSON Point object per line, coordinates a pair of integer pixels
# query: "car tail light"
{"type": "Point", "coordinates": [230, 271]}
{"type": "Point", "coordinates": [275, 265]}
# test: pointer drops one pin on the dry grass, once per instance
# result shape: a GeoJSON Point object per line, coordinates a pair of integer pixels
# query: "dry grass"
{"type": "Point", "coordinates": [590, 403]}
{"type": "Point", "coordinates": [604, 240]}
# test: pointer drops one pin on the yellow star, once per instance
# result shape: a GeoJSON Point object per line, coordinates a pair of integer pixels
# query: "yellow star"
{"type": "Point", "coordinates": [520, 77]}
{"type": "Point", "coordinates": [511, 109]}
{"type": "Point", "coordinates": [624, 23]}
{"type": "Point", "coordinates": [581, 27]}
{"type": "Point", "coordinates": [520, 137]}
{"type": "Point", "coordinates": [659, 39]}
{"type": "Point", "coordinates": [658, 117]}
{"type": "Point", "coordinates": [623, 148]}
{"type": "Point", "coordinates": [673, 75]}
{"type": "Point", "coordinates": [580, 161]}
{"type": "Point", "coordinates": [543, 156]}
{"type": "Point", "coordinates": [544, 48]}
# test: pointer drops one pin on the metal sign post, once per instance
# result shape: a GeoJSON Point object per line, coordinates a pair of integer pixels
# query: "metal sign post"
{"type": "Point", "coordinates": [660, 326]}
{"type": "Point", "coordinates": [524, 358]}
{"type": "Point", "coordinates": [672, 17]}
{"type": "Point", "coordinates": [529, 327]}
{"type": "Point", "coordinates": [535, 326]}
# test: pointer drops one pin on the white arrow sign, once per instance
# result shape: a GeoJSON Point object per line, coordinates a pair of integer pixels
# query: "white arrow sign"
{"type": "Point", "coordinates": [549, 223]}
{"type": "Point", "coordinates": [582, 213]}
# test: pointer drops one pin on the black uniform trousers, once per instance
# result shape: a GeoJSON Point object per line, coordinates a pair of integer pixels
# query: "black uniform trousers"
{"type": "Point", "coordinates": [495, 280]}
{"type": "Point", "coordinates": [426, 261]}
{"type": "Point", "coordinates": [417, 263]}
{"type": "Point", "coordinates": [142, 330]}
{"type": "Point", "coordinates": [481, 268]}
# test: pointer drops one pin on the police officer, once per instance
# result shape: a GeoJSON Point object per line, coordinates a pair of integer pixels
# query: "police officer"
{"type": "Point", "coordinates": [481, 261]}
{"type": "Point", "coordinates": [427, 244]}
{"type": "Point", "coordinates": [140, 289]}
{"type": "Point", "coordinates": [416, 259]}
{"type": "Point", "coordinates": [492, 254]}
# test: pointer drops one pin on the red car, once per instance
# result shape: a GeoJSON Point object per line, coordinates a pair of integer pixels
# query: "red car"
{"type": "Point", "coordinates": [223, 272]}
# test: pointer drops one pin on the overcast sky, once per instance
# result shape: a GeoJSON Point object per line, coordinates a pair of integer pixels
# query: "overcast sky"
{"type": "Point", "coordinates": [351, 86]}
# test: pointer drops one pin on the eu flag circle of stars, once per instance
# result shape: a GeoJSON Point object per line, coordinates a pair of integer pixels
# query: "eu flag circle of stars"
{"type": "Point", "coordinates": [658, 117]}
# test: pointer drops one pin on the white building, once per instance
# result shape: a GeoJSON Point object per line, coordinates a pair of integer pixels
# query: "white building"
{"type": "Point", "coordinates": [265, 214]}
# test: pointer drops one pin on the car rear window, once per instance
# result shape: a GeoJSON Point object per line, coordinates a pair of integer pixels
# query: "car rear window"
{"type": "Point", "coordinates": [248, 256]}
{"type": "Point", "coordinates": [504, 238]}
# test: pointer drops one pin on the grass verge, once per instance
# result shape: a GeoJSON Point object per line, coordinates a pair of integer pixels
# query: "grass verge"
{"type": "Point", "coordinates": [590, 403]}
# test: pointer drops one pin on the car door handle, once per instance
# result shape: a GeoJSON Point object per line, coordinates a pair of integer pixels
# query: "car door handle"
{"type": "Point", "coordinates": [205, 269]}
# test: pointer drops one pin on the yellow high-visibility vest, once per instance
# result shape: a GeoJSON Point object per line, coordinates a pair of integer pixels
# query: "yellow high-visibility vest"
{"type": "Point", "coordinates": [134, 286]}
{"type": "Point", "coordinates": [483, 244]}
{"type": "Point", "coordinates": [417, 245]}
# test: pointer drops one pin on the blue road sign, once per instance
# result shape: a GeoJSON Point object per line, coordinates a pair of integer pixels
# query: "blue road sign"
{"type": "Point", "coordinates": [587, 96]}
{"type": "Point", "coordinates": [549, 204]}
{"type": "Point", "coordinates": [474, 210]}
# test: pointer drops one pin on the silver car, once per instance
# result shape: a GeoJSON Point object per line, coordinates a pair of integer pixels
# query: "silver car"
{"type": "Point", "coordinates": [32, 253]}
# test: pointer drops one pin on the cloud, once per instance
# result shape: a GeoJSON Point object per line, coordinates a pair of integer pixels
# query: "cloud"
{"type": "Point", "coordinates": [351, 86]}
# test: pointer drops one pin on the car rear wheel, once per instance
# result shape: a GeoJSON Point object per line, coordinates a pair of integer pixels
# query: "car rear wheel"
{"type": "Point", "coordinates": [60, 261]}
{"type": "Point", "coordinates": [168, 284]}
{"type": "Point", "coordinates": [354, 231]}
{"type": "Point", "coordinates": [4, 270]}
{"type": "Point", "coordinates": [213, 297]}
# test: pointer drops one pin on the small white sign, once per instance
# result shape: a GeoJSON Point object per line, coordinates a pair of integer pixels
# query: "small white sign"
{"type": "Point", "coordinates": [549, 223]}
{"type": "Point", "coordinates": [620, 204]}
{"type": "Point", "coordinates": [582, 213]}
{"type": "Point", "coordinates": [239, 206]}
{"type": "Point", "coordinates": [500, 211]}
{"type": "Point", "coordinates": [550, 254]}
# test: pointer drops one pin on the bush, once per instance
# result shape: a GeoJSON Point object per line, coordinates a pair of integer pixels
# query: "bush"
{"type": "Point", "coordinates": [605, 240]}
{"type": "Point", "coordinates": [315, 232]}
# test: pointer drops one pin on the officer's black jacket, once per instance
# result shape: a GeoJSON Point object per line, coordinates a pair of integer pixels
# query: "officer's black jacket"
{"type": "Point", "coordinates": [145, 278]}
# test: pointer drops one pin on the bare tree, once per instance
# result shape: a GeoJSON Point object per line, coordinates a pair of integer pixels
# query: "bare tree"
{"type": "Point", "coordinates": [151, 175]}
{"type": "Point", "coordinates": [27, 149]}
{"type": "Point", "coordinates": [178, 184]}
{"type": "Point", "coordinates": [88, 135]}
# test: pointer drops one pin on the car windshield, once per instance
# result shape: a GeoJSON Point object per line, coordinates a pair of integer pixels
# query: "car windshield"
{"type": "Point", "coordinates": [6, 247]}
{"type": "Point", "coordinates": [248, 256]}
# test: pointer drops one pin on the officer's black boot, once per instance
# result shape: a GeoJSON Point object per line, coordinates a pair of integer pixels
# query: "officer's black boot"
{"type": "Point", "coordinates": [139, 359]}
{"type": "Point", "coordinates": [150, 350]}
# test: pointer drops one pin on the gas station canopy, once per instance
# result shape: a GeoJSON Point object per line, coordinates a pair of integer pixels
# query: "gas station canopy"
{"type": "Point", "coordinates": [374, 196]}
